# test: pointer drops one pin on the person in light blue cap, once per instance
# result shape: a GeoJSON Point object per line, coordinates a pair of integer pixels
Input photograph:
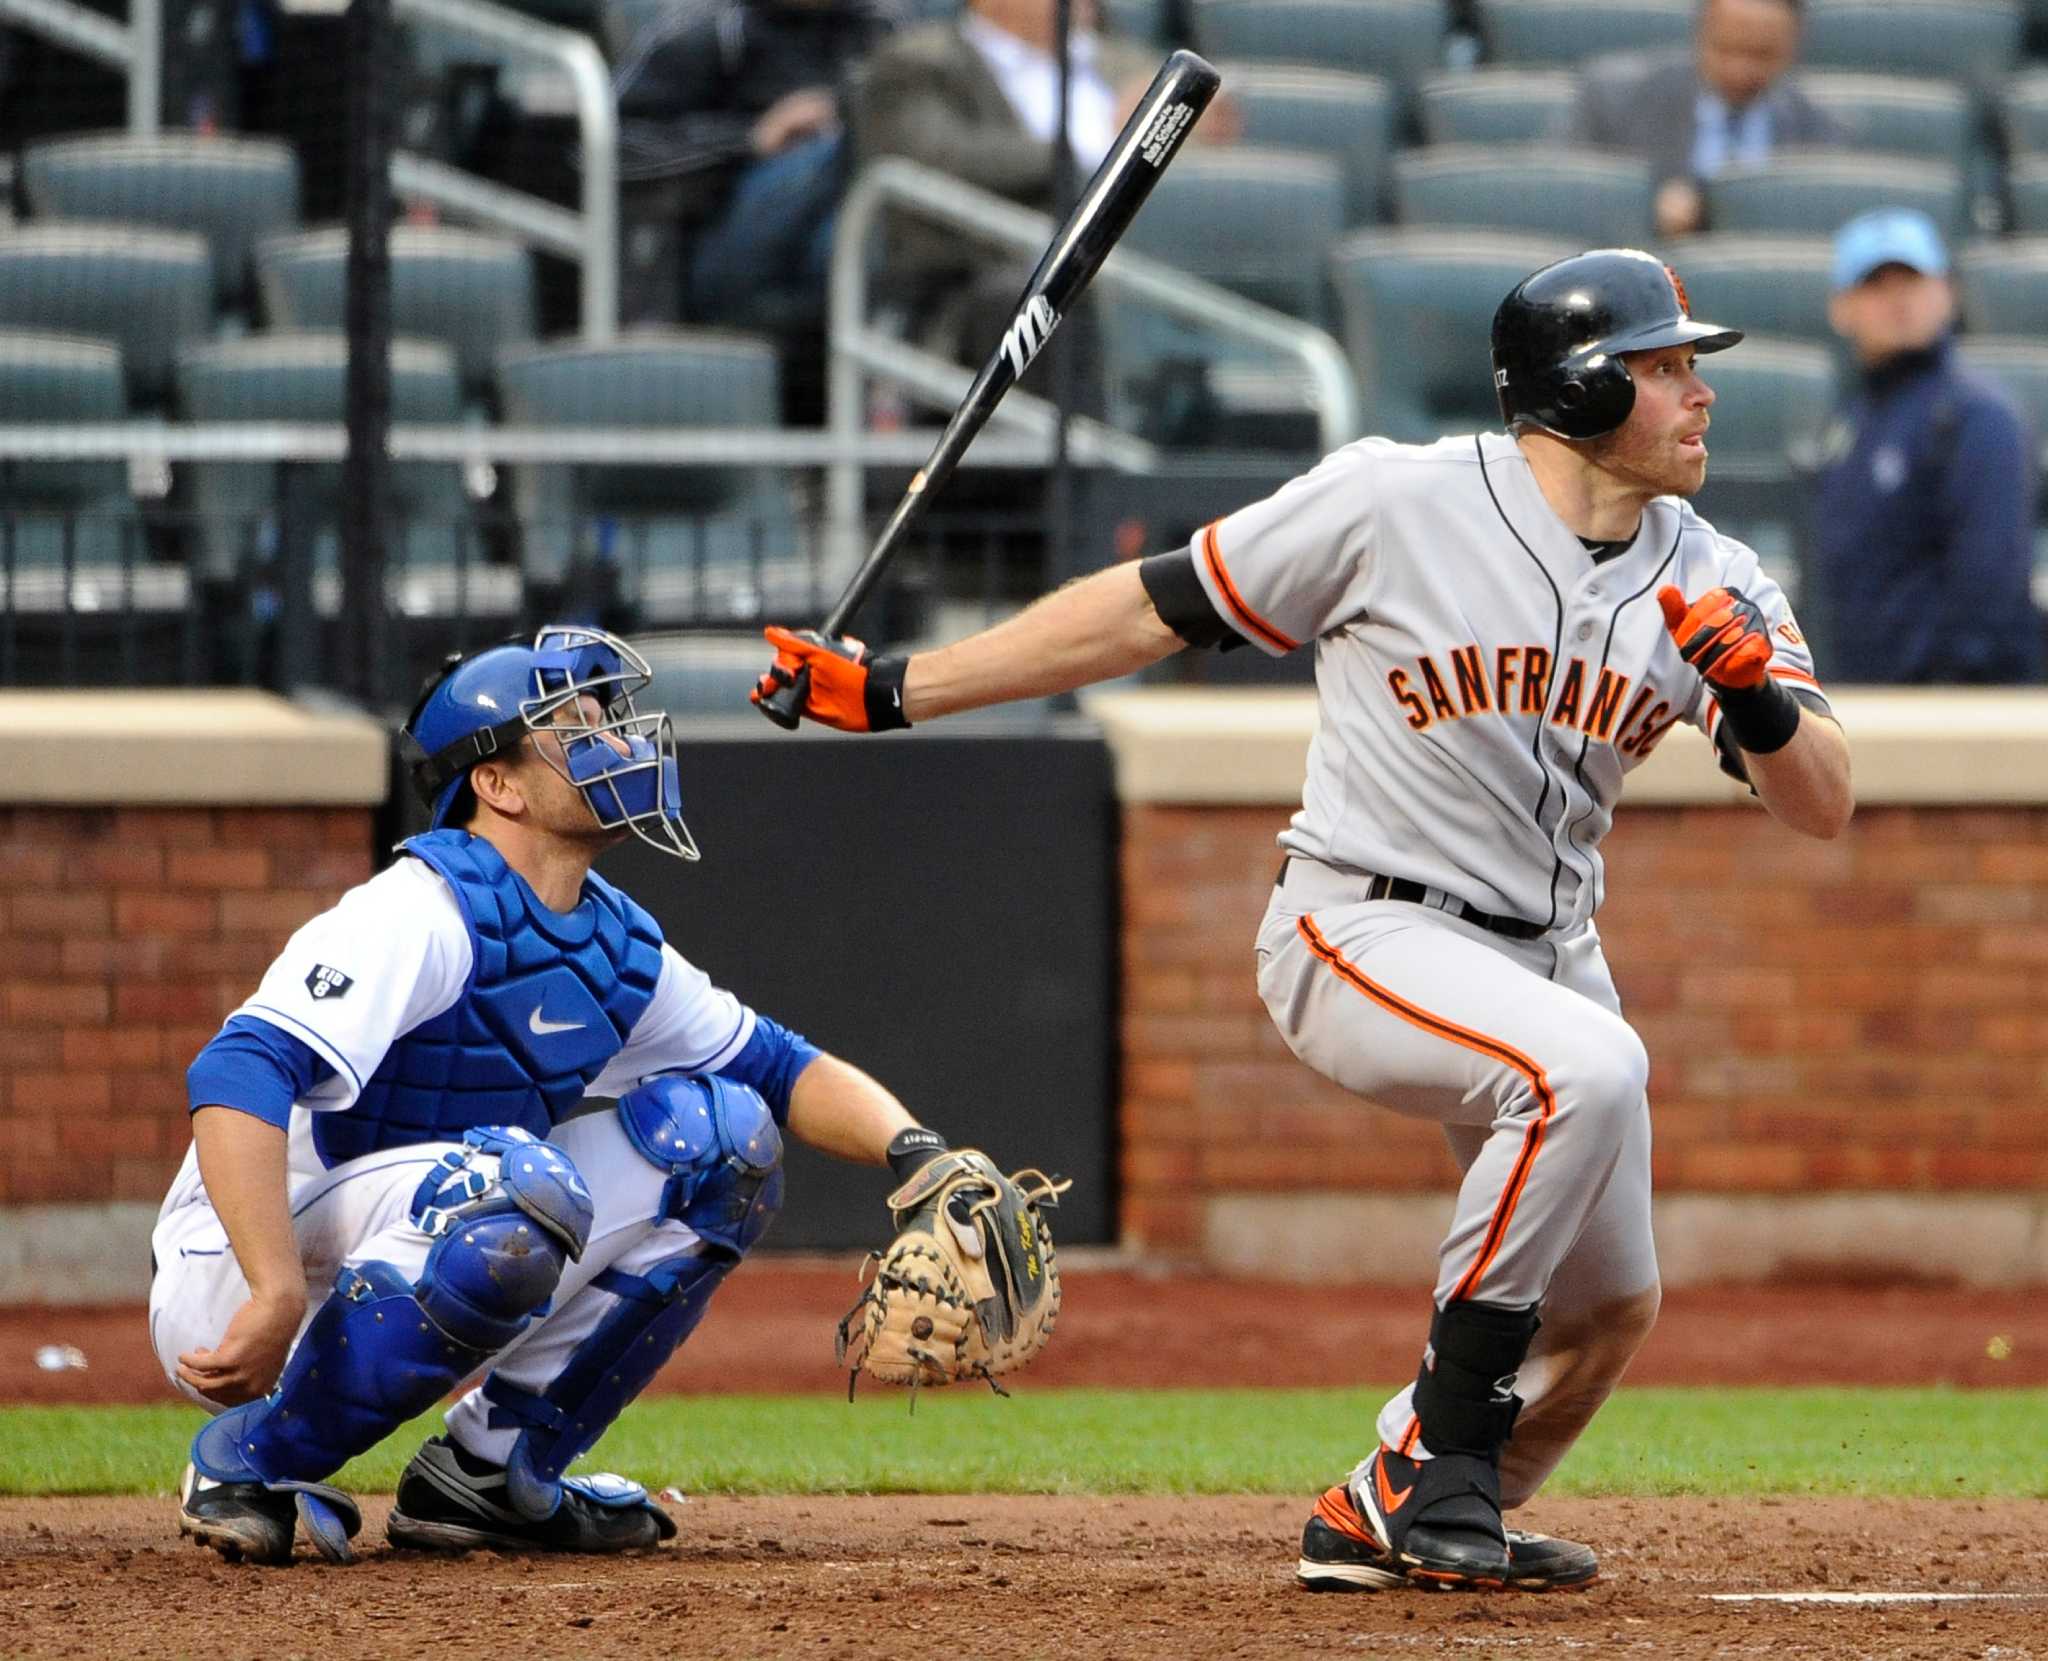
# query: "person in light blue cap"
{"type": "Point", "coordinates": [1925, 504]}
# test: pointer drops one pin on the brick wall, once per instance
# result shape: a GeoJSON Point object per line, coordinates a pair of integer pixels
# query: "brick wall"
{"type": "Point", "coordinates": [126, 936]}
{"type": "Point", "coordinates": [1861, 1014]}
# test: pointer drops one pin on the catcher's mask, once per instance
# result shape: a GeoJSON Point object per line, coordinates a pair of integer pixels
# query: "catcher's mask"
{"type": "Point", "coordinates": [622, 760]}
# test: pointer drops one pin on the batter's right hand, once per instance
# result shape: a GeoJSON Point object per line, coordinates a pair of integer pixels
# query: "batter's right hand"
{"type": "Point", "coordinates": [848, 687]}
{"type": "Point", "coordinates": [250, 1355]}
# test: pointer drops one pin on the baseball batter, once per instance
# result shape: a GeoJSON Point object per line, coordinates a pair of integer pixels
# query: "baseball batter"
{"type": "Point", "coordinates": [391, 1187]}
{"type": "Point", "coordinates": [1504, 625]}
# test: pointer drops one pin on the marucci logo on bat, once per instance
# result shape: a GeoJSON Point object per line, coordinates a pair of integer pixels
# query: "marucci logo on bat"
{"type": "Point", "coordinates": [1164, 135]}
{"type": "Point", "coordinates": [1024, 339]}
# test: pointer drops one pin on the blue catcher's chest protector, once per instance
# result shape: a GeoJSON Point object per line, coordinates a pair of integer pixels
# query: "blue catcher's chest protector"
{"type": "Point", "coordinates": [551, 999]}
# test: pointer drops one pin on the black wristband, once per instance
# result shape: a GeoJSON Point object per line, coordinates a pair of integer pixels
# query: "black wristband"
{"type": "Point", "coordinates": [911, 1150]}
{"type": "Point", "coordinates": [1760, 719]}
{"type": "Point", "coordinates": [885, 694]}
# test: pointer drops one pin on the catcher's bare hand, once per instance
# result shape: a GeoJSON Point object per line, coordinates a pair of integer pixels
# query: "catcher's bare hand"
{"type": "Point", "coordinates": [250, 1355]}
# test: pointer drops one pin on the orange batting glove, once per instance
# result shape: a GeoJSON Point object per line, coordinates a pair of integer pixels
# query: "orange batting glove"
{"type": "Point", "coordinates": [849, 687]}
{"type": "Point", "coordinates": [1722, 634]}
{"type": "Point", "coordinates": [1726, 637]}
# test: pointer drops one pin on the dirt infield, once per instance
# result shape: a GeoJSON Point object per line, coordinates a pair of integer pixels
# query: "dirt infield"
{"type": "Point", "coordinates": [917, 1576]}
{"type": "Point", "coordinates": [1085, 1580]}
{"type": "Point", "coordinates": [770, 1331]}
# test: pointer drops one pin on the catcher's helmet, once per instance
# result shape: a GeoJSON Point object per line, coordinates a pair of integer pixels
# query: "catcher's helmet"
{"type": "Point", "coordinates": [1559, 335]}
{"type": "Point", "coordinates": [622, 760]}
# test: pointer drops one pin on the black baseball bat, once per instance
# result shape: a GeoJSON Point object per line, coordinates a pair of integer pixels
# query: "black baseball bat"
{"type": "Point", "coordinates": [1178, 95]}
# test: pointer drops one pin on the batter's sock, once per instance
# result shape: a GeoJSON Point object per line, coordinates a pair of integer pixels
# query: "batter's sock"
{"type": "Point", "coordinates": [1465, 1393]}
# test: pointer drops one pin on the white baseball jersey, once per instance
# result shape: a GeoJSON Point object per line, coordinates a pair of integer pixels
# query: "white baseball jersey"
{"type": "Point", "coordinates": [1484, 685]}
{"type": "Point", "coordinates": [394, 952]}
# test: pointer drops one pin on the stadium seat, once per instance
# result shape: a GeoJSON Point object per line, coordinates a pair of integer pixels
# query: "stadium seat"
{"type": "Point", "coordinates": [2005, 285]}
{"type": "Point", "coordinates": [1401, 40]}
{"type": "Point", "coordinates": [232, 191]}
{"type": "Point", "coordinates": [1592, 196]}
{"type": "Point", "coordinates": [472, 291]}
{"type": "Point", "coordinates": [1802, 192]}
{"type": "Point", "coordinates": [1417, 308]}
{"type": "Point", "coordinates": [2025, 109]}
{"type": "Point", "coordinates": [1259, 222]}
{"type": "Point", "coordinates": [1495, 106]}
{"type": "Point", "coordinates": [1570, 31]}
{"type": "Point", "coordinates": [2028, 182]}
{"type": "Point", "coordinates": [1774, 285]}
{"type": "Point", "coordinates": [1976, 41]}
{"type": "Point", "coordinates": [699, 672]}
{"type": "Point", "coordinates": [1900, 115]}
{"type": "Point", "coordinates": [683, 544]}
{"type": "Point", "coordinates": [1348, 117]}
{"type": "Point", "coordinates": [149, 291]}
{"type": "Point", "coordinates": [301, 376]}
{"type": "Point", "coordinates": [1144, 21]}
{"type": "Point", "coordinates": [61, 378]}
{"type": "Point", "coordinates": [1772, 399]}
{"type": "Point", "coordinates": [1254, 220]}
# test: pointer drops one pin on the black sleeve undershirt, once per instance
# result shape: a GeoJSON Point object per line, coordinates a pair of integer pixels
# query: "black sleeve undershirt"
{"type": "Point", "coordinates": [1183, 603]}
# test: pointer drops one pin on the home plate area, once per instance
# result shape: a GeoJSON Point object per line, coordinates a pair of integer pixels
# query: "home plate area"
{"type": "Point", "coordinates": [913, 1576]}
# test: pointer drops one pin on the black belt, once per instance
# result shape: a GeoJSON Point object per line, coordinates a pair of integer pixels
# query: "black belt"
{"type": "Point", "coordinates": [1379, 887]}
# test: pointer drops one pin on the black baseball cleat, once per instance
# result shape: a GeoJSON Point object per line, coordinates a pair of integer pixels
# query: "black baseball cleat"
{"type": "Point", "coordinates": [1540, 1563]}
{"type": "Point", "coordinates": [1339, 1553]}
{"type": "Point", "coordinates": [256, 1521]}
{"type": "Point", "coordinates": [449, 1500]}
{"type": "Point", "coordinates": [1438, 1519]}
{"type": "Point", "coordinates": [243, 1521]}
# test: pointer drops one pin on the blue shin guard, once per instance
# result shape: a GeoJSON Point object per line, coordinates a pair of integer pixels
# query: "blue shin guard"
{"type": "Point", "coordinates": [383, 1348]}
{"type": "Point", "coordinates": [719, 1144]}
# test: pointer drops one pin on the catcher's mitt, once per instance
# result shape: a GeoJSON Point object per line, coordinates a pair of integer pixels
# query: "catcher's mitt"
{"type": "Point", "coordinates": [969, 1288]}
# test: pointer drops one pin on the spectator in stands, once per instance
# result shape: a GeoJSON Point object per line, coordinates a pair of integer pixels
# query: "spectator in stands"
{"type": "Point", "coordinates": [1924, 510]}
{"type": "Point", "coordinates": [738, 101]}
{"type": "Point", "coordinates": [1730, 102]}
{"type": "Point", "coordinates": [976, 96]}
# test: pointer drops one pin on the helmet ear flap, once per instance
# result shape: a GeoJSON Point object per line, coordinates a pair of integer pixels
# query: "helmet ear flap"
{"type": "Point", "coordinates": [1592, 398]}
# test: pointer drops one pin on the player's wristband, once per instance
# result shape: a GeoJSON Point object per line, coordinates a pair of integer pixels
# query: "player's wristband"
{"type": "Point", "coordinates": [885, 694]}
{"type": "Point", "coordinates": [1760, 719]}
{"type": "Point", "coordinates": [911, 1150]}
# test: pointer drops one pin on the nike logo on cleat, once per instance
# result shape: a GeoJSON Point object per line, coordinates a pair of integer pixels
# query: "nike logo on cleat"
{"type": "Point", "coordinates": [534, 1023]}
{"type": "Point", "coordinates": [1390, 1502]}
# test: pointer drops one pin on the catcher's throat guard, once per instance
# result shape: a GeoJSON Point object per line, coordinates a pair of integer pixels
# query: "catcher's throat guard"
{"type": "Point", "coordinates": [969, 1288]}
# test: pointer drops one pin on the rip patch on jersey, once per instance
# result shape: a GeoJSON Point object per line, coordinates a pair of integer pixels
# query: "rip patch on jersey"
{"type": "Point", "coordinates": [324, 982]}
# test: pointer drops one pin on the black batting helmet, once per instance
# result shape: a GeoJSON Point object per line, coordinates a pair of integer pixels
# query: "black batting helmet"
{"type": "Point", "coordinates": [1559, 335]}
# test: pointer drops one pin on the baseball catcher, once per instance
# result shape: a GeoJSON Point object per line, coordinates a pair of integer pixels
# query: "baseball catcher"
{"type": "Point", "coordinates": [969, 1287]}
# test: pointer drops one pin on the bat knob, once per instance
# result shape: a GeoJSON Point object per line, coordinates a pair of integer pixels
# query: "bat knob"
{"type": "Point", "coordinates": [785, 705]}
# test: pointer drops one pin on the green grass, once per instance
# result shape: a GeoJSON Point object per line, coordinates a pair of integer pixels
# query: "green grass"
{"type": "Point", "coordinates": [1904, 1442]}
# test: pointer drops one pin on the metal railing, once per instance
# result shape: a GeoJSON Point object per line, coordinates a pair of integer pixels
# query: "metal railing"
{"type": "Point", "coordinates": [137, 50]}
{"type": "Point", "coordinates": [858, 348]}
{"type": "Point", "coordinates": [589, 235]}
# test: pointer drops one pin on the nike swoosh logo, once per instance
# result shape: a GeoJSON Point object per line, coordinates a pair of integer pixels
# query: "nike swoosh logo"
{"type": "Point", "coordinates": [1390, 1502]}
{"type": "Point", "coordinates": [534, 1023]}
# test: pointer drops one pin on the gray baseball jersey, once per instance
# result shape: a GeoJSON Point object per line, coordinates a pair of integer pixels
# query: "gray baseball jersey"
{"type": "Point", "coordinates": [1484, 685]}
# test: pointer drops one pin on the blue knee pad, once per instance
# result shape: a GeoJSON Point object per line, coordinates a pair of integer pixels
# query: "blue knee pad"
{"type": "Point", "coordinates": [383, 1348]}
{"type": "Point", "coordinates": [718, 1142]}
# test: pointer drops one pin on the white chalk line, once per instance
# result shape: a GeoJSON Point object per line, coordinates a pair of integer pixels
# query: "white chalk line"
{"type": "Point", "coordinates": [1875, 1597]}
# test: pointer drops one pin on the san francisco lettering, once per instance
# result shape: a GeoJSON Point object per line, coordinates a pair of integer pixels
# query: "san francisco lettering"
{"type": "Point", "coordinates": [1601, 703]}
